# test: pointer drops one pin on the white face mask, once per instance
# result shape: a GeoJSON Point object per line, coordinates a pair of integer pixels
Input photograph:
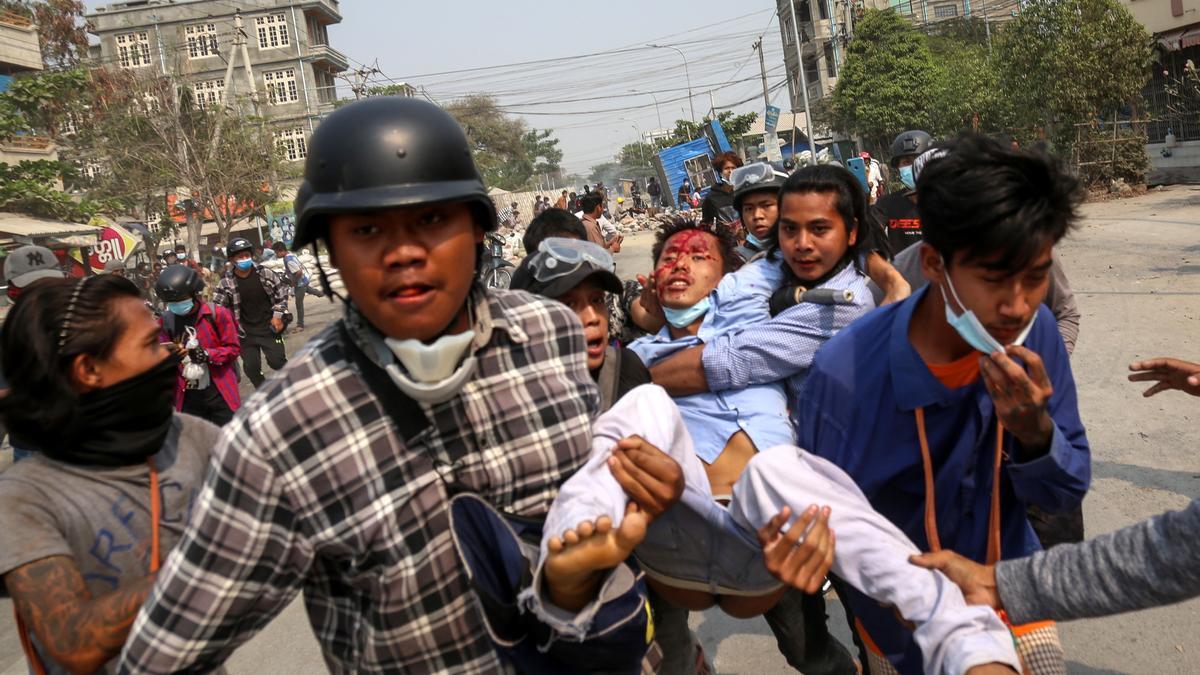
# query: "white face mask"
{"type": "Point", "coordinates": [437, 371]}
{"type": "Point", "coordinates": [970, 328]}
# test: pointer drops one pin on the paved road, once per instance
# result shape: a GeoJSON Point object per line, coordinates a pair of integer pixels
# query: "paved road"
{"type": "Point", "coordinates": [1135, 267]}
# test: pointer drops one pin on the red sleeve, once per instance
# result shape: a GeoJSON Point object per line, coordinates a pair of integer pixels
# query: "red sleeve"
{"type": "Point", "coordinates": [229, 347]}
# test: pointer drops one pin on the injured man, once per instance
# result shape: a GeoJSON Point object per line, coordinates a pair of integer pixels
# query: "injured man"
{"type": "Point", "coordinates": [743, 474]}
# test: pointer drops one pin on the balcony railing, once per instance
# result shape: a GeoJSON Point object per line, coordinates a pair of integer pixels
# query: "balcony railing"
{"type": "Point", "coordinates": [14, 19]}
{"type": "Point", "coordinates": [330, 55]}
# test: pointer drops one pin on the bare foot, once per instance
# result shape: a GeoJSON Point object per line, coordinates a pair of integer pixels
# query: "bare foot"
{"type": "Point", "coordinates": [577, 559]}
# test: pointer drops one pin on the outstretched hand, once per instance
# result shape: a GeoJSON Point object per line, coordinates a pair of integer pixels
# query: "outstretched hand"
{"type": "Point", "coordinates": [1167, 374]}
{"type": "Point", "coordinates": [648, 475]}
{"type": "Point", "coordinates": [978, 582]}
{"type": "Point", "coordinates": [802, 556]}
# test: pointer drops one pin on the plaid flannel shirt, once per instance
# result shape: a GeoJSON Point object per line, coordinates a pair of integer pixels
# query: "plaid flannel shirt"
{"type": "Point", "coordinates": [313, 488]}
{"type": "Point", "coordinates": [218, 335]}
{"type": "Point", "coordinates": [226, 293]}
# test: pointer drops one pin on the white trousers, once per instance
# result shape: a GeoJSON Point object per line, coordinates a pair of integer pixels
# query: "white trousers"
{"type": "Point", "coordinates": [703, 545]}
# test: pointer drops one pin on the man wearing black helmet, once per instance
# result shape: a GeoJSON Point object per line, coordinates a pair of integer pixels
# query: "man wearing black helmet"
{"type": "Point", "coordinates": [258, 299]}
{"type": "Point", "coordinates": [897, 212]}
{"type": "Point", "coordinates": [209, 388]}
{"type": "Point", "coordinates": [431, 387]}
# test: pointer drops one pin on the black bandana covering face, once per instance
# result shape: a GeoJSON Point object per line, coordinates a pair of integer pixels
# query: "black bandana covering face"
{"type": "Point", "coordinates": [120, 425]}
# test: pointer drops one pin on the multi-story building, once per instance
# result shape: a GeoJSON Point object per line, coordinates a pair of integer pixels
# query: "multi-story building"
{"type": "Point", "coordinates": [20, 51]}
{"type": "Point", "coordinates": [292, 64]}
{"type": "Point", "coordinates": [826, 26]}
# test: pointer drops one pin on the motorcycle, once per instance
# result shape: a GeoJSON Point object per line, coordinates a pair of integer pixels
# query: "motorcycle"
{"type": "Point", "coordinates": [495, 272]}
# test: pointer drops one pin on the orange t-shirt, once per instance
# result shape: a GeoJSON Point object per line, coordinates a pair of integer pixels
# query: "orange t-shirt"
{"type": "Point", "coordinates": [958, 373]}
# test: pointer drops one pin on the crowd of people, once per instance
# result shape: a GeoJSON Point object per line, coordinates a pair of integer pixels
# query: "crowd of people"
{"type": "Point", "coordinates": [550, 478]}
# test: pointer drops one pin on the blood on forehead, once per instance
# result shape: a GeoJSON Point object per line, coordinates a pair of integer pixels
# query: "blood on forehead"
{"type": "Point", "coordinates": [688, 242]}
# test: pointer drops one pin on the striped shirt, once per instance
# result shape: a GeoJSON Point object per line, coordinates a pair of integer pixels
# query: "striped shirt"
{"type": "Point", "coordinates": [226, 294]}
{"type": "Point", "coordinates": [314, 488]}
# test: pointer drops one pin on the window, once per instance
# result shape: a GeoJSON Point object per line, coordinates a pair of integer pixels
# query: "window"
{"type": "Point", "coordinates": [945, 11]}
{"type": "Point", "coordinates": [209, 93]}
{"type": "Point", "coordinates": [272, 31]}
{"type": "Point", "coordinates": [700, 172]}
{"type": "Point", "coordinates": [281, 86]}
{"type": "Point", "coordinates": [830, 61]}
{"type": "Point", "coordinates": [293, 144]}
{"type": "Point", "coordinates": [326, 86]}
{"type": "Point", "coordinates": [133, 49]}
{"type": "Point", "coordinates": [201, 40]}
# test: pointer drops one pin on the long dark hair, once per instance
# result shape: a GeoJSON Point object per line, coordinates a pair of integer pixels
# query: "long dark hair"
{"type": "Point", "coordinates": [37, 368]}
{"type": "Point", "coordinates": [851, 202]}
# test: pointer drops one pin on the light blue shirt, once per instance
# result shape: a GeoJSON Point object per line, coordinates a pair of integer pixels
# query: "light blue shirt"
{"type": "Point", "coordinates": [763, 349]}
{"type": "Point", "coordinates": [712, 418]}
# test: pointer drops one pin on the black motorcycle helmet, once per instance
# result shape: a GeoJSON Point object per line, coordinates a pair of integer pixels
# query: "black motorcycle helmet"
{"type": "Point", "coordinates": [909, 143]}
{"type": "Point", "coordinates": [383, 152]}
{"type": "Point", "coordinates": [178, 282]}
{"type": "Point", "coordinates": [237, 245]}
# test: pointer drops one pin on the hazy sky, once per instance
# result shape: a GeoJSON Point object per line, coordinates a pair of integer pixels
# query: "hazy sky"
{"type": "Point", "coordinates": [421, 41]}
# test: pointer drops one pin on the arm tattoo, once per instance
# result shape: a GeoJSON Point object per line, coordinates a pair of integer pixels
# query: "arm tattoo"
{"type": "Point", "coordinates": [81, 633]}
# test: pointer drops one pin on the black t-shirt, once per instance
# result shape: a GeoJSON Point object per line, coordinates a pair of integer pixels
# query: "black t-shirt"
{"type": "Point", "coordinates": [256, 309]}
{"type": "Point", "coordinates": [898, 215]}
{"type": "Point", "coordinates": [653, 189]}
{"type": "Point", "coordinates": [718, 207]}
{"type": "Point", "coordinates": [633, 373]}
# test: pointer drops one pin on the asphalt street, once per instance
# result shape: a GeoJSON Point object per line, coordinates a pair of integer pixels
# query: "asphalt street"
{"type": "Point", "coordinates": [1135, 267]}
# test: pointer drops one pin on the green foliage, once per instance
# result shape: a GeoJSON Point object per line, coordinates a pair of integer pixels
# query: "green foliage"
{"type": "Point", "coordinates": [735, 126]}
{"type": "Point", "coordinates": [506, 151]}
{"type": "Point", "coordinates": [40, 103]}
{"type": "Point", "coordinates": [31, 187]}
{"type": "Point", "coordinates": [1061, 62]}
{"type": "Point", "coordinates": [887, 81]}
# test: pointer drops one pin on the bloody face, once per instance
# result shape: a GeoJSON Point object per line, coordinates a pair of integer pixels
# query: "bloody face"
{"type": "Point", "coordinates": [813, 238]}
{"type": "Point", "coordinates": [408, 269]}
{"type": "Point", "coordinates": [688, 269]}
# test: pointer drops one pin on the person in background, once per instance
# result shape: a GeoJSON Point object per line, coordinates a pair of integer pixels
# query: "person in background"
{"type": "Point", "coordinates": [296, 275]}
{"type": "Point", "coordinates": [86, 521]}
{"type": "Point", "coordinates": [718, 204]}
{"type": "Point", "coordinates": [655, 191]}
{"type": "Point", "coordinates": [592, 206]}
{"type": "Point", "coordinates": [258, 299]}
{"type": "Point", "coordinates": [683, 198]}
{"type": "Point", "coordinates": [213, 396]}
{"type": "Point", "coordinates": [897, 212]}
{"type": "Point", "coordinates": [144, 278]}
{"type": "Point", "coordinates": [169, 257]}
{"type": "Point", "coordinates": [115, 266]}
{"type": "Point", "coordinates": [564, 200]}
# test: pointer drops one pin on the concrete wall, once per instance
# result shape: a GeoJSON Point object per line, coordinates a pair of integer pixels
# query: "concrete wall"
{"type": "Point", "coordinates": [1183, 166]}
{"type": "Point", "coordinates": [1157, 17]}
{"type": "Point", "coordinates": [19, 46]}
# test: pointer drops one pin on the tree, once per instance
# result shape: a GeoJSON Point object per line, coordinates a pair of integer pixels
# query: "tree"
{"type": "Point", "coordinates": [61, 28]}
{"type": "Point", "coordinates": [35, 107]}
{"type": "Point", "coordinates": [1066, 61]}
{"type": "Point", "coordinates": [734, 126]}
{"type": "Point", "coordinates": [147, 138]}
{"type": "Point", "coordinates": [968, 94]}
{"type": "Point", "coordinates": [887, 80]}
{"type": "Point", "coordinates": [507, 152]}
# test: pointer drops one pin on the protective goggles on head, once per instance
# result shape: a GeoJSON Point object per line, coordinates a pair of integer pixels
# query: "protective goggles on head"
{"type": "Point", "coordinates": [753, 174]}
{"type": "Point", "coordinates": [559, 256]}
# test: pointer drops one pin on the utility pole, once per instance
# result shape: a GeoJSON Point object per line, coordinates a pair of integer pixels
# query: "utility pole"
{"type": "Point", "coordinates": [803, 87]}
{"type": "Point", "coordinates": [686, 73]}
{"type": "Point", "coordinates": [240, 38]}
{"type": "Point", "coordinates": [762, 68]}
{"type": "Point", "coordinates": [987, 27]}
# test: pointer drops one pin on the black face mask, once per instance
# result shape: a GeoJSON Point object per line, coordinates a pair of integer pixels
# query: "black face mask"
{"type": "Point", "coordinates": [121, 425]}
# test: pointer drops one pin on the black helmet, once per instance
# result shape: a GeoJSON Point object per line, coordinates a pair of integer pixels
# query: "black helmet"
{"type": "Point", "coordinates": [177, 282]}
{"type": "Point", "coordinates": [755, 177]}
{"type": "Point", "coordinates": [237, 245]}
{"type": "Point", "coordinates": [383, 152]}
{"type": "Point", "coordinates": [910, 143]}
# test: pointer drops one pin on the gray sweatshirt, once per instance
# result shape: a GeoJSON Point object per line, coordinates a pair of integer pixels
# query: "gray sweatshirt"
{"type": "Point", "coordinates": [1151, 563]}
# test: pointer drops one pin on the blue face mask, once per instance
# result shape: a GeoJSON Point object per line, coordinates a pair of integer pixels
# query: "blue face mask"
{"type": "Point", "coordinates": [682, 318]}
{"type": "Point", "coordinates": [971, 329]}
{"type": "Point", "coordinates": [906, 177]}
{"type": "Point", "coordinates": [244, 264]}
{"type": "Point", "coordinates": [755, 241]}
{"type": "Point", "coordinates": [181, 308]}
